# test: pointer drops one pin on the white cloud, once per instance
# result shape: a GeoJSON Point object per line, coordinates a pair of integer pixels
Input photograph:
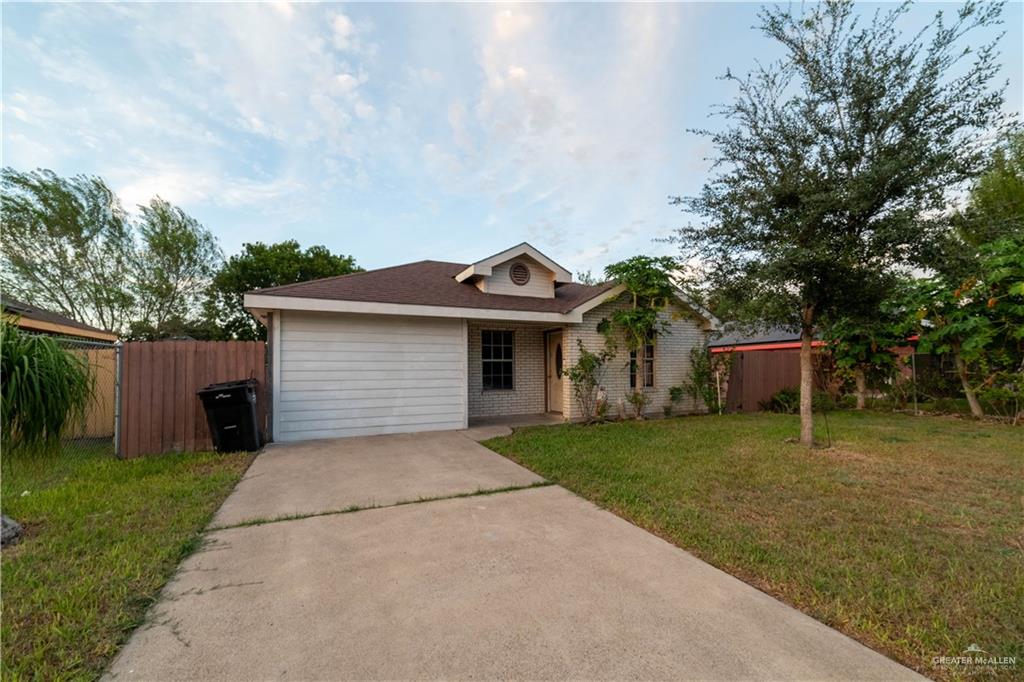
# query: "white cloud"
{"type": "Point", "coordinates": [344, 32]}
{"type": "Point", "coordinates": [483, 107]}
{"type": "Point", "coordinates": [511, 23]}
{"type": "Point", "coordinates": [365, 110]}
{"type": "Point", "coordinates": [457, 122]}
{"type": "Point", "coordinates": [346, 83]}
{"type": "Point", "coordinates": [517, 73]}
{"type": "Point", "coordinates": [285, 9]}
{"type": "Point", "coordinates": [426, 76]}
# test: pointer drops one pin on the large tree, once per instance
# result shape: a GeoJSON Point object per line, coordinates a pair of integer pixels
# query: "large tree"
{"type": "Point", "coordinates": [176, 259]}
{"type": "Point", "coordinates": [67, 246]}
{"type": "Point", "coordinates": [832, 159]}
{"type": "Point", "coordinates": [70, 247]}
{"type": "Point", "coordinates": [972, 304]}
{"type": "Point", "coordinates": [262, 265]}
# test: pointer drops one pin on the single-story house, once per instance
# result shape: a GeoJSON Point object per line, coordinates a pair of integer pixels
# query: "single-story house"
{"type": "Point", "coordinates": [40, 321]}
{"type": "Point", "coordinates": [436, 345]}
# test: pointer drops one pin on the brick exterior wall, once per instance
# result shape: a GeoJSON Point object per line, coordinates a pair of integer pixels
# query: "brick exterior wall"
{"type": "Point", "coordinates": [671, 365]}
{"type": "Point", "coordinates": [671, 360]}
{"type": "Point", "coordinates": [528, 364]}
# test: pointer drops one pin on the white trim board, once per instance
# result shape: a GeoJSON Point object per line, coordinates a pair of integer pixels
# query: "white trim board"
{"type": "Point", "coordinates": [262, 303]}
{"type": "Point", "coordinates": [269, 302]}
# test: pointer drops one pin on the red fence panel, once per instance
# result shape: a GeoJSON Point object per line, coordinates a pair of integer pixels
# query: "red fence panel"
{"type": "Point", "coordinates": [160, 411]}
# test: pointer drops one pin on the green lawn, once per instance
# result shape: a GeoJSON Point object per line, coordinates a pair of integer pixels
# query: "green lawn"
{"type": "Point", "coordinates": [102, 537]}
{"type": "Point", "coordinates": [905, 535]}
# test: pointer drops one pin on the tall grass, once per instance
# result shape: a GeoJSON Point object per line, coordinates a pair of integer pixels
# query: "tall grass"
{"type": "Point", "coordinates": [43, 390]}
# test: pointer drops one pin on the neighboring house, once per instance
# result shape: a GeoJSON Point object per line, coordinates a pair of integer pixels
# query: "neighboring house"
{"type": "Point", "coordinates": [79, 339]}
{"type": "Point", "coordinates": [775, 339]}
{"type": "Point", "coordinates": [435, 345]}
{"type": "Point", "coordinates": [760, 365]}
{"type": "Point", "coordinates": [34, 319]}
{"type": "Point", "coordinates": [763, 364]}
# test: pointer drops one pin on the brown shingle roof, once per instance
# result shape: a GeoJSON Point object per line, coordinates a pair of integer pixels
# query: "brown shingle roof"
{"type": "Point", "coordinates": [31, 312]}
{"type": "Point", "coordinates": [432, 282]}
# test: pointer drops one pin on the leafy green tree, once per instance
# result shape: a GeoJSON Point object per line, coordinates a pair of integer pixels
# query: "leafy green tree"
{"type": "Point", "coordinates": [830, 159]}
{"type": "Point", "coordinates": [968, 306]}
{"type": "Point", "coordinates": [980, 322]}
{"type": "Point", "coordinates": [260, 266]}
{"type": "Point", "coordinates": [174, 265]}
{"type": "Point", "coordinates": [70, 247]}
{"type": "Point", "coordinates": [648, 282]}
{"type": "Point", "coordinates": [994, 211]}
{"type": "Point", "coordinates": [864, 347]}
{"type": "Point", "coordinates": [996, 207]}
{"type": "Point", "coordinates": [67, 246]}
{"type": "Point", "coordinates": [175, 327]}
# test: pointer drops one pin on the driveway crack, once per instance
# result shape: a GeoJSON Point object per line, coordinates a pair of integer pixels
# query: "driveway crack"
{"type": "Point", "coordinates": [357, 508]}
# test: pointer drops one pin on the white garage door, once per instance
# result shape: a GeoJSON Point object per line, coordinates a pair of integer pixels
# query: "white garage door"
{"type": "Point", "coordinates": [355, 375]}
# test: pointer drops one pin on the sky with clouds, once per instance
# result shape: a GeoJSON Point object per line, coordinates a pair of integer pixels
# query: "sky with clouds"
{"type": "Point", "coordinates": [392, 132]}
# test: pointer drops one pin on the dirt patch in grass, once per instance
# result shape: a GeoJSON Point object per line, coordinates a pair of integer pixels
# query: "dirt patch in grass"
{"type": "Point", "coordinates": [844, 453]}
{"type": "Point", "coordinates": [103, 537]}
{"type": "Point", "coordinates": [905, 535]}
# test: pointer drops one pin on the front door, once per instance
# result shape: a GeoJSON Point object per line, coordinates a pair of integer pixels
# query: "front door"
{"type": "Point", "coordinates": [555, 361]}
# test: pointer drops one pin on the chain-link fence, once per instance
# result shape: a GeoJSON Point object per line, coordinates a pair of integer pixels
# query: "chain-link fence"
{"type": "Point", "coordinates": [95, 433]}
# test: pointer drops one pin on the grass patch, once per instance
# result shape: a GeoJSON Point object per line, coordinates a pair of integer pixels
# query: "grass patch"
{"type": "Point", "coordinates": [906, 535]}
{"type": "Point", "coordinates": [102, 537]}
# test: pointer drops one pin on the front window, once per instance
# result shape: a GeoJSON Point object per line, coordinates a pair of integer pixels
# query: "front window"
{"type": "Point", "coordinates": [643, 364]}
{"type": "Point", "coordinates": [496, 355]}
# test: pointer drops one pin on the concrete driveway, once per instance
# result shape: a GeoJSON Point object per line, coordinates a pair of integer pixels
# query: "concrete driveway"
{"type": "Point", "coordinates": [530, 583]}
{"type": "Point", "coordinates": [320, 476]}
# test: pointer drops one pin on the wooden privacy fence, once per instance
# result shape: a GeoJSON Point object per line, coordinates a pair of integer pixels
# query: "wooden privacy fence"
{"type": "Point", "coordinates": [757, 375]}
{"type": "Point", "coordinates": [100, 415]}
{"type": "Point", "coordinates": [160, 411]}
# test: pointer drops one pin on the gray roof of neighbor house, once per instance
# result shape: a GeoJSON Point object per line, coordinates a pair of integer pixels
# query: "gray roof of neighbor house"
{"type": "Point", "coordinates": [27, 312]}
{"type": "Point", "coordinates": [431, 282]}
{"type": "Point", "coordinates": [772, 335]}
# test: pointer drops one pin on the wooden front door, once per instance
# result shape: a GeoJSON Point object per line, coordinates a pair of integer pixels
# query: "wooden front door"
{"type": "Point", "coordinates": [555, 365]}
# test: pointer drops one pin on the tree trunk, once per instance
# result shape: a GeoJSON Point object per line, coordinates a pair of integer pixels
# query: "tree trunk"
{"type": "Point", "coordinates": [862, 387]}
{"type": "Point", "coordinates": [806, 377]}
{"type": "Point", "coordinates": [972, 399]}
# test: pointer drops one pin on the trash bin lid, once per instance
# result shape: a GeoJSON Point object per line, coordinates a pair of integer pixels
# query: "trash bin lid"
{"type": "Point", "coordinates": [238, 383]}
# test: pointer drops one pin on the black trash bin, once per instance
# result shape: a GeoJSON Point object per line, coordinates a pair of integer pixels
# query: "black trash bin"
{"type": "Point", "coordinates": [231, 414]}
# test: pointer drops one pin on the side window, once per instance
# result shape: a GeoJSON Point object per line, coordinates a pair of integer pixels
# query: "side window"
{"type": "Point", "coordinates": [642, 364]}
{"type": "Point", "coordinates": [496, 350]}
{"type": "Point", "coordinates": [649, 365]}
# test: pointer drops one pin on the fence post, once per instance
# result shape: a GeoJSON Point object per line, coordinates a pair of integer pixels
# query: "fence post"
{"type": "Point", "coordinates": [119, 364]}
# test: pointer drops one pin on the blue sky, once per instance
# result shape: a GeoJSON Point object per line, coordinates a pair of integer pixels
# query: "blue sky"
{"type": "Point", "coordinates": [392, 132]}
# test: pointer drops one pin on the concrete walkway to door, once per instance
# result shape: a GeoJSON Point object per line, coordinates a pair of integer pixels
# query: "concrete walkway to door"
{"type": "Point", "coordinates": [531, 583]}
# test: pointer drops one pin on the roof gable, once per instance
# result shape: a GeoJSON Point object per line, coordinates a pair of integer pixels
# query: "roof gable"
{"type": "Point", "coordinates": [485, 267]}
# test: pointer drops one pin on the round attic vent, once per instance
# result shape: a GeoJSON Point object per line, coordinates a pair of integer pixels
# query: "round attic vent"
{"type": "Point", "coordinates": [519, 273]}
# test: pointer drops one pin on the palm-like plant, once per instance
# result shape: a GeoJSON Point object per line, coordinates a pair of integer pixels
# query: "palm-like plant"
{"type": "Point", "coordinates": [43, 389]}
